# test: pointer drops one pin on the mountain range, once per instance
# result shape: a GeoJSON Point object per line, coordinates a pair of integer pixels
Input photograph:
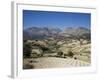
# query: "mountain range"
{"type": "Point", "coordinates": [45, 32]}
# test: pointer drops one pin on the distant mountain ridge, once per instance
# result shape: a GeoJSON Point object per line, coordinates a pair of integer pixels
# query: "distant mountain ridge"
{"type": "Point", "coordinates": [76, 31]}
{"type": "Point", "coordinates": [40, 32]}
{"type": "Point", "coordinates": [45, 32]}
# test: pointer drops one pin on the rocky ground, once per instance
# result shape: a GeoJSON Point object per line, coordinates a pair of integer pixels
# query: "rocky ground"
{"type": "Point", "coordinates": [45, 47]}
{"type": "Point", "coordinates": [52, 62]}
{"type": "Point", "coordinates": [55, 54]}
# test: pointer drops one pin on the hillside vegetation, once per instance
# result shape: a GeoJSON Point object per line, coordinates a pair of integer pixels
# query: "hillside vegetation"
{"type": "Point", "coordinates": [46, 48]}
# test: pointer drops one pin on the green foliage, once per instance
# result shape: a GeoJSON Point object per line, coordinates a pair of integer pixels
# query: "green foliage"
{"type": "Point", "coordinates": [26, 49]}
{"type": "Point", "coordinates": [65, 54]}
{"type": "Point", "coordinates": [75, 58]}
{"type": "Point", "coordinates": [70, 53]}
{"type": "Point", "coordinates": [44, 48]}
{"type": "Point", "coordinates": [60, 53]}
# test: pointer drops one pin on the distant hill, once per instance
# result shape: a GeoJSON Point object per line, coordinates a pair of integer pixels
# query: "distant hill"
{"type": "Point", "coordinates": [76, 32]}
{"type": "Point", "coordinates": [45, 32]}
{"type": "Point", "coordinates": [40, 32]}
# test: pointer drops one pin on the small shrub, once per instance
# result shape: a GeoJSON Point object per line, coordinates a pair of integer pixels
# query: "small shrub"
{"type": "Point", "coordinates": [40, 55]}
{"type": "Point", "coordinates": [44, 48]}
{"type": "Point", "coordinates": [31, 61]}
{"type": "Point", "coordinates": [70, 53]}
{"type": "Point", "coordinates": [26, 50]}
{"type": "Point", "coordinates": [60, 54]}
{"type": "Point", "coordinates": [65, 55]}
{"type": "Point", "coordinates": [80, 54]}
{"type": "Point", "coordinates": [34, 55]}
{"type": "Point", "coordinates": [28, 66]}
{"type": "Point", "coordinates": [36, 40]}
{"type": "Point", "coordinates": [75, 58]}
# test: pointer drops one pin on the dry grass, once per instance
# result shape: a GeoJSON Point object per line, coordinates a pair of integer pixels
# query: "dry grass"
{"type": "Point", "coordinates": [53, 62]}
{"type": "Point", "coordinates": [81, 56]}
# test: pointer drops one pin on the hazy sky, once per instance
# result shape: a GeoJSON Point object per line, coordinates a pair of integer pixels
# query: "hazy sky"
{"type": "Point", "coordinates": [55, 19]}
